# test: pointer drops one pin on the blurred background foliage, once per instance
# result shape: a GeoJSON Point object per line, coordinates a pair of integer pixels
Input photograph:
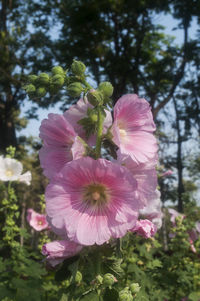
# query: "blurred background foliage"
{"type": "Point", "coordinates": [121, 42]}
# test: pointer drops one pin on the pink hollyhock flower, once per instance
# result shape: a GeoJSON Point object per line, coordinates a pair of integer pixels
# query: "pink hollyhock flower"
{"type": "Point", "coordinates": [79, 111]}
{"type": "Point", "coordinates": [133, 127]}
{"type": "Point", "coordinates": [145, 228]}
{"type": "Point", "coordinates": [61, 144]}
{"type": "Point", "coordinates": [37, 221]}
{"type": "Point", "coordinates": [57, 251]}
{"type": "Point", "coordinates": [91, 201]}
{"type": "Point", "coordinates": [167, 173]}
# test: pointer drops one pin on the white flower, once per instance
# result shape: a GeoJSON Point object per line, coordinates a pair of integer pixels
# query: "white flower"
{"type": "Point", "coordinates": [11, 170]}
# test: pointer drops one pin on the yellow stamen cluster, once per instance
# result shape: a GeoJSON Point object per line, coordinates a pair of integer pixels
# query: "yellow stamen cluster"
{"type": "Point", "coordinates": [95, 195]}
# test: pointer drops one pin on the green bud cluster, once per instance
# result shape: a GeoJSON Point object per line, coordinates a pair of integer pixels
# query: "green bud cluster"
{"type": "Point", "coordinates": [78, 277]}
{"type": "Point", "coordinates": [39, 86]}
{"type": "Point", "coordinates": [75, 89]}
{"type": "Point", "coordinates": [109, 280]}
{"type": "Point", "coordinates": [135, 288]}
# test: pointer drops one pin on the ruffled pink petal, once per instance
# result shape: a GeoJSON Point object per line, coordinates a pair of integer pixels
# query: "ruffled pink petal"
{"type": "Point", "coordinates": [57, 251]}
{"type": "Point", "coordinates": [57, 131]}
{"type": "Point", "coordinates": [145, 228]}
{"type": "Point", "coordinates": [52, 159]}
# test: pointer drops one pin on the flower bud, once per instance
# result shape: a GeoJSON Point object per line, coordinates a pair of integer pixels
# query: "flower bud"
{"type": "Point", "coordinates": [95, 97]}
{"type": "Point", "coordinates": [32, 78]}
{"type": "Point", "coordinates": [58, 70]}
{"type": "Point", "coordinates": [99, 279]}
{"type": "Point", "coordinates": [43, 79]}
{"type": "Point", "coordinates": [75, 89]}
{"type": "Point", "coordinates": [57, 80]}
{"type": "Point", "coordinates": [30, 89]}
{"type": "Point", "coordinates": [41, 91]}
{"type": "Point", "coordinates": [134, 288]}
{"type": "Point", "coordinates": [106, 88]}
{"type": "Point", "coordinates": [78, 277]}
{"type": "Point", "coordinates": [78, 68]}
{"type": "Point", "coordinates": [125, 295]}
{"type": "Point", "coordinates": [109, 279]}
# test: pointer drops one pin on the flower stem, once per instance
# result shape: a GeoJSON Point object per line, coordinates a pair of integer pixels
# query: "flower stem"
{"type": "Point", "coordinates": [99, 133]}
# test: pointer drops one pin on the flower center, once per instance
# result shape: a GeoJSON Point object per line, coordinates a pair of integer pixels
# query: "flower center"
{"type": "Point", "coordinates": [40, 223]}
{"type": "Point", "coordinates": [9, 173]}
{"type": "Point", "coordinates": [95, 195]}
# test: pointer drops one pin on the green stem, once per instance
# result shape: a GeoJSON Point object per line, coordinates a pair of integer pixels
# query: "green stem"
{"type": "Point", "coordinates": [99, 134]}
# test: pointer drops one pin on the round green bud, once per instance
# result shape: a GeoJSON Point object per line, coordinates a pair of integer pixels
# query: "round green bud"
{"type": "Point", "coordinates": [78, 277]}
{"type": "Point", "coordinates": [41, 92]}
{"type": "Point", "coordinates": [43, 79]}
{"type": "Point", "coordinates": [99, 279]}
{"type": "Point", "coordinates": [57, 80]}
{"type": "Point", "coordinates": [78, 68]}
{"type": "Point", "coordinates": [30, 89]}
{"type": "Point", "coordinates": [125, 295]}
{"type": "Point", "coordinates": [134, 288]}
{"type": "Point", "coordinates": [106, 88]}
{"type": "Point", "coordinates": [109, 279]}
{"type": "Point", "coordinates": [32, 78]}
{"type": "Point", "coordinates": [58, 70]}
{"type": "Point", "coordinates": [95, 97]}
{"type": "Point", "coordinates": [75, 89]}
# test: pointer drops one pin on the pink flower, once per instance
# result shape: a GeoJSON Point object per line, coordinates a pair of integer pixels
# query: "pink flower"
{"type": "Point", "coordinates": [145, 174]}
{"type": "Point", "coordinates": [133, 127]}
{"type": "Point", "coordinates": [91, 201]}
{"type": "Point", "coordinates": [145, 228]}
{"type": "Point", "coordinates": [59, 137]}
{"type": "Point", "coordinates": [57, 251]}
{"type": "Point", "coordinates": [167, 173]}
{"type": "Point", "coordinates": [37, 221]}
{"type": "Point", "coordinates": [79, 111]}
{"type": "Point", "coordinates": [153, 211]}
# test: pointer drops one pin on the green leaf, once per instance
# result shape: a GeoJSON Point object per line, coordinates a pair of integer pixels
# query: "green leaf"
{"type": "Point", "coordinates": [110, 295]}
{"type": "Point", "coordinates": [64, 297]}
{"type": "Point", "coordinates": [194, 296]}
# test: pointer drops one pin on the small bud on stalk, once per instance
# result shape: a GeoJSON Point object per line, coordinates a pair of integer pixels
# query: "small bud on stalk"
{"type": "Point", "coordinates": [95, 97]}
{"type": "Point", "coordinates": [135, 288]}
{"type": "Point", "coordinates": [43, 79]}
{"type": "Point", "coordinates": [106, 89]}
{"type": "Point", "coordinates": [41, 92]}
{"type": "Point", "coordinates": [58, 70]}
{"type": "Point", "coordinates": [78, 68]}
{"type": "Point", "coordinates": [75, 89]}
{"type": "Point", "coordinates": [109, 279]}
{"type": "Point", "coordinates": [58, 80]}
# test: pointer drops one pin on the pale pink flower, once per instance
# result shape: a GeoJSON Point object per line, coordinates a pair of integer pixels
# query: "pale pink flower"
{"type": "Point", "coordinates": [37, 221]}
{"type": "Point", "coordinates": [91, 201]}
{"type": "Point", "coordinates": [79, 111]}
{"type": "Point", "coordinates": [167, 173]}
{"type": "Point", "coordinates": [192, 246]}
{"type": "Point", "coordinates": [61, 144]}
{"type": "Point", "coordinates": [197, 226]}
{"type": "Point", "coordinates": [57, 251]}
{"type": "Point", "coordinates": [145, 228]}
{"type": "Point", "coordinates": [133, 127]}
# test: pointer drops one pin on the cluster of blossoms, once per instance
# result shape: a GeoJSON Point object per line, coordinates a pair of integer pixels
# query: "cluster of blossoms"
{"type": "Point", "coordinates": [91, 199]}
{"type": "Point", "coordinates": [11, 170]}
